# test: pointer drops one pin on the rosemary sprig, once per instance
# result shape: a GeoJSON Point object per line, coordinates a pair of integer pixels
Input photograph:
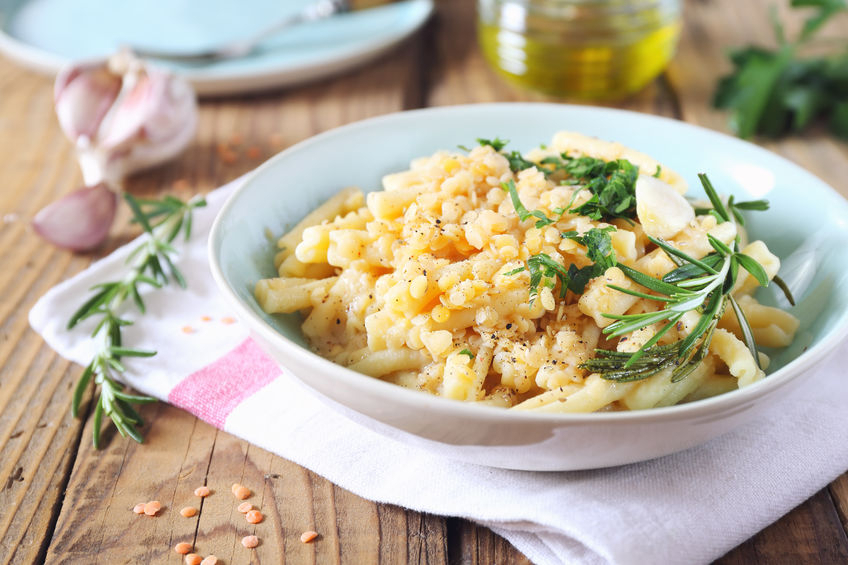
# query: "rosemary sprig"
{"type": "Point", "coordinates": [150, 264]}
{"type": "Point", "coordinates": [703, 286]}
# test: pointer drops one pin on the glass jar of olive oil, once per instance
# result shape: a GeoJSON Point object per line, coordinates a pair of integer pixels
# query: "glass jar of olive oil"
{"type": "Point", "coordinates": [585, 49]}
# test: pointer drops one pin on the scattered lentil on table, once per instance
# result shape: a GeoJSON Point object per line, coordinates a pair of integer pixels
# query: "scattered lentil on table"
{"type": "Point", "coordinates": [152, 508]}
{"type": "Point", "coordinates": [254, 516]}
{"type": "Point", "coordinates": [250, 541]}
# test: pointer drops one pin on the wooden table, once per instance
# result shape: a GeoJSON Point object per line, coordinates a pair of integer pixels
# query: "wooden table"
{"type": "Point", "coordinates": [63, 502]}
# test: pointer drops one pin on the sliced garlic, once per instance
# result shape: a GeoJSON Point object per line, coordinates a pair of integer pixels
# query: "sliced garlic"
{"type": "Point", "coordinates": [661, 210]}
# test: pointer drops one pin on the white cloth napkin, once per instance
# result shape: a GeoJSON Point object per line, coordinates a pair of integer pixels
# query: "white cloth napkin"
{"type": "Point", "coordinates": [691, 507]}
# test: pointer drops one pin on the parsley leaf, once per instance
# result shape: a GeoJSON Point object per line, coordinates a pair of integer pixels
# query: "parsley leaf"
{"type": "Point", "coordinates": [522, 211]}
{"type": "Point", "coordinates": [598, 246]}
{"type": "Point", "coordinates": [774, 92]}
{"type": "Point", "coordinates": [517, 162]}
{"type": "Point", "coordinates": [545, 271]}
{"type": "Point", "coordinates": [613, 188]}
{"type": "Point", "coordinates": [497, 144]}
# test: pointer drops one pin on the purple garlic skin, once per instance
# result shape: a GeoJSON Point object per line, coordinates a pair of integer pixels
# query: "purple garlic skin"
{"type": "Point", "coordinates": [124, 115]}
{"type": "Point", "coordinates": [79, 221]}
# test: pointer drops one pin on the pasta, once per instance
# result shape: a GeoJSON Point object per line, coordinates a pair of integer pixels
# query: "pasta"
{"type": "Point", "coordinates": [462, 278]}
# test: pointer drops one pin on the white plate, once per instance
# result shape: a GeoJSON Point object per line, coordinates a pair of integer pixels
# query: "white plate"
{"type": "Point", "coordinates": [806, 226]}
{"type": "Point", "coordinates": [46, 34]}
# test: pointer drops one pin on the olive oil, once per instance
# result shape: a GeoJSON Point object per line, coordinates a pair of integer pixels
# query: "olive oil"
{"type": "Point", "coordinates": [589, 49]}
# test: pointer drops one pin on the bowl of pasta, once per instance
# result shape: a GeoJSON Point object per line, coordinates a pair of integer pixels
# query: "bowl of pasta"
{"type": "Point", "coordinates": [605, 287]}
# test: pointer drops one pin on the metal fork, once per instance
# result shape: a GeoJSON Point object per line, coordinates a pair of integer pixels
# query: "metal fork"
{"type": "Point", "coordinates": [318, 10]}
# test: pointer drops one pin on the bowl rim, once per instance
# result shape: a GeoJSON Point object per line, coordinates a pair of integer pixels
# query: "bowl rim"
{"type": "Point", "coordinates": [794, 369]}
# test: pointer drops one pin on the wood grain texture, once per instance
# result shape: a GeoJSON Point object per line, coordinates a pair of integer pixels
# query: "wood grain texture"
{"type": "Point", "coordinates": [37, 436]}
{"type": "Point", "coordinates": [62, 502]}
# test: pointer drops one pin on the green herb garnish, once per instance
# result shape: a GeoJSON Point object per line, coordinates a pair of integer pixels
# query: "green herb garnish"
{"type": "Point", "coordinates": [545, 271]}
{"type": "Point", "coordinates": [517, 162]}
{"type": "Point", "coordinates": [497, 144]}
{"type": "Point", "coordinates": [523, 213]}
{"type": "Point", "coordinates": [150, 264]}
{"type": "Point", "coordinates": [703, 286]}
{"type": "Point", "coordinates": [468, 353]}
{"type": "Point", "coordinates": [774, 92]}
{"type": "Point", "coordinates": [613, 188]}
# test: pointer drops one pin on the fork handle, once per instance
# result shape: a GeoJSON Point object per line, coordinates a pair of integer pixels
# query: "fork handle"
{"type": "Point", "coordinates": [319, 10]}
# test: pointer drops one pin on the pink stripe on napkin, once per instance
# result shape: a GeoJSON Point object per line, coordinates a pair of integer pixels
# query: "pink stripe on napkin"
{"type": "Point", "coordinates": [215, 390]}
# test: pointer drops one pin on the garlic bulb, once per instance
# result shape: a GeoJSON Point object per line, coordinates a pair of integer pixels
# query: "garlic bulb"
{"type": "Point", "coordinates": [124, 115]}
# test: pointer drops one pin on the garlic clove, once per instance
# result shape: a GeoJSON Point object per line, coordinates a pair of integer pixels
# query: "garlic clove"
{"type": "Point", "coordinates": [79, 221]}
{"type": "Point", "coordinates": [153, 120]}
{"type": "Point", "coordinates": [662, 211]}
{"type": "Point", "coordinates": [83, 96]}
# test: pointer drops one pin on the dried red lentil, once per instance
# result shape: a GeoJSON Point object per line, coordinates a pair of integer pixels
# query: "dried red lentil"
{"type": "Point", "coordinates": [202, 492]}
{"type": "Point", "coordinates": [182, 548]}
{"type": "Point", "coordinates": [245, 507]}
{"type": "Point", "coordinates": [188, 511]}
{"type": "Point", "coordinates": [254, 516]}
{"type": "Point", "coordinates": [209, 560]}
{"type": "Point", "coordinates": [193, 559]}
{"type": "Point", "coordinates": [242, 492]}
{"type": "Point", "coordinates": [139, 508]}
{"type": "Point", "coordinates": [250, 541]}
{"type": "Point", "coordinates": [307, 537]}
{"type": "Point", "coordinates": [152, 507]}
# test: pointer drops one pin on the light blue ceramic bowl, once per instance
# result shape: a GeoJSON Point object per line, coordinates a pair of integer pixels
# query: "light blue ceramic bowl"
{"type": "Point", "coordinates": [806, 226]}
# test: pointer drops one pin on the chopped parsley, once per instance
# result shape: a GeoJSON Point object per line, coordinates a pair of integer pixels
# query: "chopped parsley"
{"type": "Point", "coordinates": [613, 188]}
{"type": "Point", "coordinates": [517, 162]}
{"type": "Point", "coordinates": [497, 144]}
{"type": "Point", "coordinates": [545, 271]}
{"type": "Point", "coordinates": [523, 213]}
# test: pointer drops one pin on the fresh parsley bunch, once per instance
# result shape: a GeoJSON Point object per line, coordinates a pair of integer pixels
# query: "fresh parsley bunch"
{"type": "Point", "coordinates": [773, 92]}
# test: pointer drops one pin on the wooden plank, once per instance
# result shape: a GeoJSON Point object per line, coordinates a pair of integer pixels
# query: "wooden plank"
{"type": "Point", "coordinates": [472, 544]}
{"type": "Point", "coordinates": [37, 435]}
{"type": "Point", "coordinates": [808, 534]}
{"type": "Point", "coordinates": [181, 452]}
{"type": "Point", "coordinates": [839, 492]}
